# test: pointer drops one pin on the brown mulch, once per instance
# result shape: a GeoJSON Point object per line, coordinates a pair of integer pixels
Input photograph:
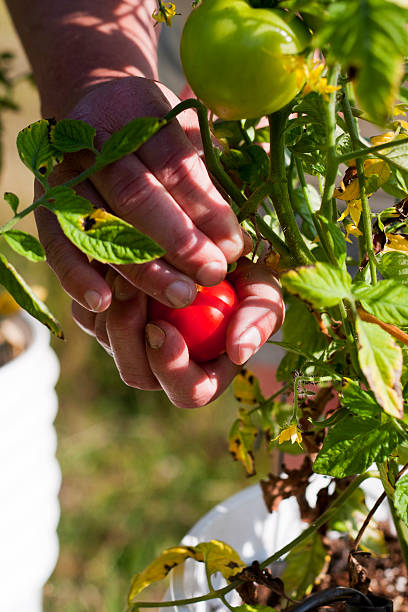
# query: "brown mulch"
{"type": "Point", "coordinates": [387, 575]}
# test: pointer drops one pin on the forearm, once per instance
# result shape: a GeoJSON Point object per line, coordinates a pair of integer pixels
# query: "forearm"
{"type": "Point", "coordinates": [74, 44]}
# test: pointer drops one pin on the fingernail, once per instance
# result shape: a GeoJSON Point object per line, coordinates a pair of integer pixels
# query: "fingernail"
{"type": "Point", "coordinates": [93, 299]}
{"type": "Point", "coordinates": [154, 335]}
{"type": "Point", "coordinates": [180, 293]}
{"type": "Point", "coordinates": [123, 290]}
{"type": "Point", "coordinates": [249, 342]}
{"type": "Point", "coordinates": [231, 248]}
{"type": "Point", "coordinates": [211, 273]}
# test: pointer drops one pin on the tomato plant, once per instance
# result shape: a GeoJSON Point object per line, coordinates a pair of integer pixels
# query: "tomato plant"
{"type": "Point", "coordinates": [203, 324]}
{"type": "Point", "coordinates": [237, 58]}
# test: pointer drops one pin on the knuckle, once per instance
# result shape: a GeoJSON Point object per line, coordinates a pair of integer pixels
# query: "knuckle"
{"type": "Point", "coordinates": [132, 195]}
{"type": "Point", "coordinates": [177, 171]}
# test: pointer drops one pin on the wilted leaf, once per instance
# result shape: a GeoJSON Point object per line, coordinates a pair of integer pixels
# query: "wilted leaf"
{"type": "Point", "coordinates": [241, 440]}
{"type": "Point", "coordinates": [161, 566]}
{"type": "Point", "coordinates": [25, 297]}
{"type": "Point", "coordinates": [381, 362]}
{"type": "Point", "coordinates": [246, 389]}
{"type": "Point", "coordinates": [220, 557]}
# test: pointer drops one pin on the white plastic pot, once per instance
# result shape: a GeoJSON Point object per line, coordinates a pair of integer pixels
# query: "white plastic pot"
{"type": "Point", "coordinates": [243, 522]}
{"type": "Point", "coordinates": [30, 477]}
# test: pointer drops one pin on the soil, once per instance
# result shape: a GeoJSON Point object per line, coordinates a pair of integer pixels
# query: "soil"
{"type": "Point", "coordinates": [387, 576]}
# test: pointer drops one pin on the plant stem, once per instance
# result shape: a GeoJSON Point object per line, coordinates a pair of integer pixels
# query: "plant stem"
{"type": "Point", "coordinates": [400, 527]}
{"type": "Point", "coordinates": [279, 190]}
{"type": "Point", "coordinates": [7, 226]}
{"type": "Point", "coordinates": [213, 164]}
{"type": "Point", "coordinates": [305, 535]}
{"type": "Point", "coordinates": [370, 150]}
{"type": "Point", "coordinates": [316, 222]}
{"type": "Point", "coordinates": [332, 161]}
{"type": "Point", "coordinates": [275, 240]}
{"type": "Point", "coordinates": [366, 210]}
{"type": "Point", "coordinates": [253, 202]}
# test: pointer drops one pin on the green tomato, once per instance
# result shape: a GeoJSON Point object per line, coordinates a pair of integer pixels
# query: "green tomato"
{"type": "Point", "coordinates": [236, 57]}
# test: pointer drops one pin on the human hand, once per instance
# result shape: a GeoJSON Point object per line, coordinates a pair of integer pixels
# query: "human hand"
{"type": "Point", "coordinates": [164, 191]}
{"type": "Point", "coordinates": [153, 355]}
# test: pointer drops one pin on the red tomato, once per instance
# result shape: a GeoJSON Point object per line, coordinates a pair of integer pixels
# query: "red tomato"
{"type": "Point", "coordinates": [204, 323]}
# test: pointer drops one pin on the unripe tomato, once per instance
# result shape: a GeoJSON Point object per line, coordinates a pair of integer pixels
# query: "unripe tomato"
{"type": "Point", "coordinates": [236, 57]}
{"type": "Point", "coordinates": [203, 324]}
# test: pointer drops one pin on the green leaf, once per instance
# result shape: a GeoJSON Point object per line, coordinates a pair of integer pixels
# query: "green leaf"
{"type": "Point", "coordinates": [304, 564]}
{"type": "Point", "coordinates": [353, 445]}
{"type": "Point", "coordinates": [99, 234]}
{"type": "Point", "coordinates": [24, 296]}
{"type": "Point", "coordinates": [336, 239]}
{"type": "Point", "coordinates": [25, 244]}
{"type": "Point", "coordinates": [12, 200]}
{"type": "Point", "coordinates": [401, 498]}
{"type": "Point", "coordinates": [398, 155]}
{"type": "Point", "coordinates": [322, 285]}
{"type": "Point", "coordinates": [302, 209]}
{"type": "Point", "coordinates": [381, 362]}
{"type": "Point", "coordinates": [129, 138]}
{"type": "Point", "coordinates": [36, 150]}
{"type": "Point", "coordinates": [369, 36]}
{"type": "Point", "coordinates": [70, 135]}
{"type": "Point", "coordinates": [394, 264]}
{"type": "Point", "coordinates": [360, 402]}
{"type": "Point", "coordinates": [387, 300]}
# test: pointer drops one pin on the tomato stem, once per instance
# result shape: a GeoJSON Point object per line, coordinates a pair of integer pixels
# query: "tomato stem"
{"type": "Point", "coordinates": [279, 189]}
{"type": "Point", "coordinates": [213, 164]}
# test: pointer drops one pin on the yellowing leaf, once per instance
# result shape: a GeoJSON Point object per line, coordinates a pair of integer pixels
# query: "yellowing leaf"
{"type": "Point", "coordinates": [380, 359]}
{"type": "Point", "coordinates": [8, 304]}
{"type": "Point", "coordinates": [382, 138]}
{"type": "Point", "coordinates": [246, 388]}
{"type": "Point", "coordinates": [220, 557]}
{"type": "Point", "coordinates": [241, 440]}
{"type": "Point", "coordinates": [396, 242]}
{"type": "Point", "coordinates": [160, 567]}
{"type": "Point", "coordinates": [378, 167]}
{"type": "Point", "coordinates": [354, 208]}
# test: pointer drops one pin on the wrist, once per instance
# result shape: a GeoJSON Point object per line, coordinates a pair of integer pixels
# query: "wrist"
{"type": "Point", "coordinates": [73, 45]}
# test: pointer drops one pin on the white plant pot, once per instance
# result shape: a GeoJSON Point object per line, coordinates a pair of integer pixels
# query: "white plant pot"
{"type": "Point", "coordinates": [243, 522]}
{"type": "Point", "coordinates": [30, 477]}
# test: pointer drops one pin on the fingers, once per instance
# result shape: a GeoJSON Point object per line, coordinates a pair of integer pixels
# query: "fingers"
{"type": "Point", "coordinates": [187, 384]}
{"type": "Point", "coordinates": [137, 196]}
{"type": "Point", "coordinates": [125, 326]}
{"type": "Point", "coordinates": [165, 191]}
{"type": "Point", "coordinates": [78, 277]}
{"type": "Point", "coordinates": [157, 279]}
{"type": "Point", "coordinates": [261, 310]}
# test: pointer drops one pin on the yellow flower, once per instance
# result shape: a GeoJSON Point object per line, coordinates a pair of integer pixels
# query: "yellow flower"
{"type": "Point", "coordinates": [353, 209]}
{"type": "Point", "coordinates": [353, 230]}
{"type": "Point", "coordinates": [164, 12]}
{"type": "Point", "coordinates": [316, 82]}
{"type": "Point", "coordinates": [296, 64]}
{"type": "Point", "coordinates": [291, 433]}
